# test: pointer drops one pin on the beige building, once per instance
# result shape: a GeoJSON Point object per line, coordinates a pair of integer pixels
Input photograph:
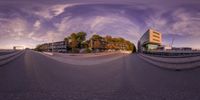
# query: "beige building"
{"type": "Point", "coordinates": [151, 40]}
{"type": "Point", "coordinates": [155, 37]}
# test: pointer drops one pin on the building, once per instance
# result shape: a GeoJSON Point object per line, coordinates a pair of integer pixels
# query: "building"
{"type": "Point", "coordinates": [165, 47]}
{"type": "Point", "coordinates": [151, 40]}
{"type": "Point", "coordinates": [182, 49]}
{"type": "Point", "coordinates": [60, 46]}
{"type": "Point", "coordinates": [18, 48]}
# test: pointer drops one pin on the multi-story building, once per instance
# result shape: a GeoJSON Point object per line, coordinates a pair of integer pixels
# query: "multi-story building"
{"type": "Point", "coordinates": [60, 46]}
{"type": "Point", "coordinates": [151, 40]}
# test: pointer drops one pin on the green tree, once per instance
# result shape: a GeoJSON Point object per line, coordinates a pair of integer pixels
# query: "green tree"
{"type": "Point", "coordinates": [85, 44]}
{"type": "Point", "coordinates": [38, 48]}
{"type": "Point", "coordinates": [96, 37]}
{"type": "Point", "coordinates": [96, 42]}
{"type": "Point", "coordinates": [73, 42]}
{"type": "Point", "coordinates": [108, 39]}
{"type": "Point", "coordinates": [42, 47]}
{"type": "Point", "coordinates": [66, 39]}
{"type": "Point", "coordinates": [81, 36]}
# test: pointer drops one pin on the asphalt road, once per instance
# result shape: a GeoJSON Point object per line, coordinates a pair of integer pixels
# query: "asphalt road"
{"type": "Point", "coordinates": [5, 52]}
{"type": "Point", "coordinates": [34, 76]}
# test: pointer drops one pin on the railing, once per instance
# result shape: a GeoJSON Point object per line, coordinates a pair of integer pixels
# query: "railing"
{"type": "Point", "coordinates": [172, 63]}
{"type": "Point", "coordinates": [4, 59]}
{"type": "Point", "coordinates": [173, 53]}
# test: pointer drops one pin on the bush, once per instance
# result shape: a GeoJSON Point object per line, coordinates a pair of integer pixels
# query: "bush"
{"type": "Point", "coordinates": [88, 50]}
{"type": "Point", "coordinates": [75, 50]}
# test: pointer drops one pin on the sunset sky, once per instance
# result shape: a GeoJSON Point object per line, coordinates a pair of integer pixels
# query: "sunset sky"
{"type": "Point", "coordinates": [32, 22]}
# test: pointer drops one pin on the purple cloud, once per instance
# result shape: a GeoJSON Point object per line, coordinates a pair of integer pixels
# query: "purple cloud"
{"type": "Point", "coordinates": [44, 21]}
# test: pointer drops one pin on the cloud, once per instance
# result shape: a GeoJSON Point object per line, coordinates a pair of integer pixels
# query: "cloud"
{"type": "Point", "coordinates": [15, 28]}
{"type": "Point", "coordinates": [58, 9]}
{"type": "Point", "coordinates": [186, 23]}
{"type": "Point", "coordinates": [178, 22]}
{"type": "Point", "coordinates": [52, 10]}
{"type": "Point", "coordinates": [118, 25]}
{"type": "Point", "coordinates": [46, 21]}
{"type": "Point", "coordinates": [105, 25]}
{"type": "Point", "coordinates": [37, 24]}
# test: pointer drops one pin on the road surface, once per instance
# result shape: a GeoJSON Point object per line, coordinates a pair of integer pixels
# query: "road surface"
{"type": "Point", "coordinates": [5, 52]}
{"type": "Point", "coordinates": [34, 76]}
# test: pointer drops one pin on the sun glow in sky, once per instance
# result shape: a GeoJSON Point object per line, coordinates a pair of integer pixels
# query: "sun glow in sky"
{"type": "Point", "coordinates": [32, 22]}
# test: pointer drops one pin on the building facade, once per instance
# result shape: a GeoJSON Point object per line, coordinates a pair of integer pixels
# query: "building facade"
{"type": "Point", "coordinates": [151, 40]}
{"type": "Point", "coordinates": [60, 46]}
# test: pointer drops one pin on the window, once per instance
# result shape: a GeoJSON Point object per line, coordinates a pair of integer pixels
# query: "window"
{"type": "Point", "coordinates": [156, 40]}
{"type": "Point", "coordinates": [156, 36]}
{"type": "Point", "coordinates": [156, 33]}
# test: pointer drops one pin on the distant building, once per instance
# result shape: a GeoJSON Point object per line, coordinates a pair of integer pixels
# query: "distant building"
{"type": "Point", "coordinates": [165, 47]}
{"type": "Point", "coordinates": [60, 46]}
{"type": "Point", "coordinates": [151, 40]}
{"type": "Point", "coordinates": [182, 48]}
{"type": "Point", "coordinates": [18, 47]}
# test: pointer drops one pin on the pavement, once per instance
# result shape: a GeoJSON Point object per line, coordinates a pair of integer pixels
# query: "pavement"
{"type": "Point", "coordinates": [6, 52]}
{"type": "Point", "coordinates": [34, 76]}
{"type": "Point", "coordinates": [87, 59]}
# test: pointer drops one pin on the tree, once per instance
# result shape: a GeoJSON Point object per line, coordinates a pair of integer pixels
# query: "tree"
{"type": "Point", "coordinates": [96, 37]}
{"type": "Point", "coordinates": [66, 39]}
{"type": "Point", "coordinates": [81, 36]}
{"type": "Point", "coordinates": [85, 44]}
{"type": "Point", "coordinates": [38, 48]}
{"type": "Point", "coordinates": [96, 42]}
{"type": "Point", "coordinates": [108, 38]}
{"type": "Point", "coordinates": [42, 47]}
{"type": "Point", "coordinates": [73, 43]}
{"type": "Point", "coordinates": [75, 40]}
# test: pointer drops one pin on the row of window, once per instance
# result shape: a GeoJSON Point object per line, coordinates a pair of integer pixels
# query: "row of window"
{"type": "Point", "coordinates": [156, 36]}
{"type": "Point", "coordinates": [156, 40]}
{"type": "Point", "coordinates": [156, 33]}
{"type": "Point", "coordinates": [61, 46]}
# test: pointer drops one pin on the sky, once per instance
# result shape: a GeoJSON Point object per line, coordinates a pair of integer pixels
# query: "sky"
{"type": "Point", "coordinates": [32, 22]}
